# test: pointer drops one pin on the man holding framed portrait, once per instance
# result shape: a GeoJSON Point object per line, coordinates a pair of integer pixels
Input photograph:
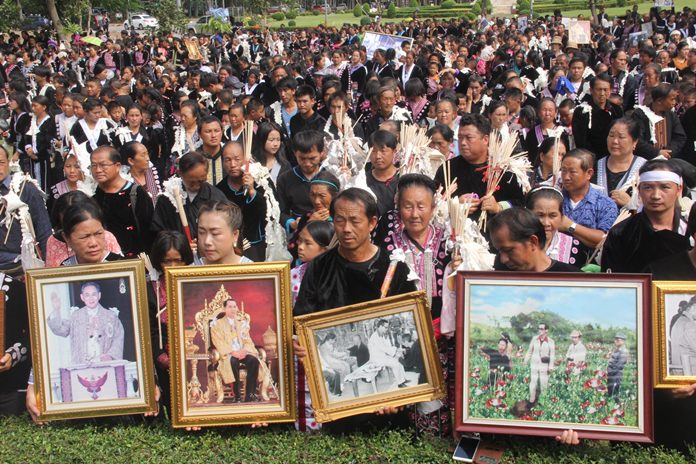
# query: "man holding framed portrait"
{"type": "Point", "coordinates": [356, 263]}
{"type": "Point", "coordinates": [331, 279]}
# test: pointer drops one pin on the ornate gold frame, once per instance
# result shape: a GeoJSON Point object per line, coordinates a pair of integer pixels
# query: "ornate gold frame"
{"type": "Point", "coordinates": [134, 271]}
{"type": "Point", "coordinates": [415, 302]}
{"type": "Point", "coordinates": [660, 289]}
{"type": "Point", "coordinates": [183, 350]}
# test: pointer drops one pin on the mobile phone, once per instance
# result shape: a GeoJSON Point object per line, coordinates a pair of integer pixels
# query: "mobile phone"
{"type": "Point", "coordinates": [466, 449]}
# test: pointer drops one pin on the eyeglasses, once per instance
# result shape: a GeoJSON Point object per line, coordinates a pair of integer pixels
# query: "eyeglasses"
{"type": "Point", "coordinates": [100, 166]}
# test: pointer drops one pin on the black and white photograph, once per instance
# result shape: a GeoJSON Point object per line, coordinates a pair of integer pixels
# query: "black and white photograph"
{"type": "Point", "coordinates": [370, 356]}
{"type": "Point", "coordinates": [680, 332]}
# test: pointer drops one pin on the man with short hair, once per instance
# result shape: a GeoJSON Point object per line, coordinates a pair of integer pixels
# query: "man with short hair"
{"type": "Point", "coordinates": [623, 83]}
{"type": "Point", "coordinates": [306, 118]}
{"type": "Point", "coordinates": [592, 118]}
{"type": "Point", "coordinates": [468, 170]}
{"type": "Point", "coordinates": [541, 356]}
{"type": "Point", "coordinates": [96, 333]}
{"type": "Point", "coordinates": [588, 213]}
{"type": "Point", "coordinates": [658, 230]}
{"type": "Point", "coordinates": [331, 280]}
{"type": "Point", "coordinates": [282, 111]}
{"type": "Point", "coordinates": [384, 353]}
{"type": "Point", "coordinates": [239, 187]}
{"type": "Point", "coordinates": [293, 185]}
{"type": "Point", "coordinates": [577, 353]}
{"type": "Point", "coordinates": [615, 367]}
{"type": "Point", "coordinates": [210, 130]}
{"type": "Point", "coordinates": [519, 237]}
{"type": "Point", "coordinates": [127, 207]}
{"type": "Point", "coordinates": [231, 337]}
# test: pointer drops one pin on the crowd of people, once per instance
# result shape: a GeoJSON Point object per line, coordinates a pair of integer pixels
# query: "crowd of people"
{"type": "Point", "coordinates": [142, 145]}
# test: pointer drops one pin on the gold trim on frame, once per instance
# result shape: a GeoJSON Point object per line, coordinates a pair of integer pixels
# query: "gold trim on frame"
{"type": "Point", "coordinates": [661, 375]}
{"type": "Point", "coordinates": [182, 349]}
{"type": "Point", "coordinates": [414, 302]}
{"type": "Point", "coordinates": [134, 271]}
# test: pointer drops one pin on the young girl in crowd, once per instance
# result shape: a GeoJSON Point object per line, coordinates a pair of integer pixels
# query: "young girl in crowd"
{"type": "Point", "coordinates": [170, 249]}
{"type": "Point", "coordinates": [269, 150]}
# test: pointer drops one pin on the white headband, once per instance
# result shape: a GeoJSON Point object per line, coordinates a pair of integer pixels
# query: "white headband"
{"type": "Point", "coordinates": [661, 176]}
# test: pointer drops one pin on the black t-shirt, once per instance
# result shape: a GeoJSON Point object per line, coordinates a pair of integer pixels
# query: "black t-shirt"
{"type": "Point", "coordinates": [556, 266]}
{"type": "Point", "coordinates": [673, 417]}
{"type": "Point", "coordinates": [384, 191]}
{"type": "Point", "coordinates": [613, 179]}
{"type": "Point", "coordinates": [674, 267]}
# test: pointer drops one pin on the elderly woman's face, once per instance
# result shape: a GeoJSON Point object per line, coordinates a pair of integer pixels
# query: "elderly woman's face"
{"type": "Point", "coordinates": [416, 208]}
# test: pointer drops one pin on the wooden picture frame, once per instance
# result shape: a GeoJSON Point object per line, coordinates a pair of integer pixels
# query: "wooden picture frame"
{"type": "Point", "coordinates": [361, 383]}
{"type": "Point", "coordinates": [203, 383]}
{"type": "Point", "coordinates": [2, 321]}
{"type": "Point", "coordinates": [513, 378]}
{"type": "Point", "coordinates": [90, 336]}
{"type": "Point", "coordinates": [674, 359]}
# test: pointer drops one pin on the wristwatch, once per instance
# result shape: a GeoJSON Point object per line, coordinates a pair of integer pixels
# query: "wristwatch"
{"type": "Point", "coordinates": [571, 229]}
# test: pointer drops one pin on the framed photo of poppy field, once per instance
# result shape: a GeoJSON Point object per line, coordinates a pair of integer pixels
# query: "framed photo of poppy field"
{"type": "Point", "coordinates": [544, 352]}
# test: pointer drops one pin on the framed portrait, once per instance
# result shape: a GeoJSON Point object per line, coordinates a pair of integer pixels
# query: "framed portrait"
{"type": "Point", "coordinates": [674, 326]}
{"type": "Point", "coordinates": [363, 357]}
{"type": "Point", "coordinates": [542, 352]}
{"type": "Point", "coordinates": [230, 336]}
{"type": "Point", "coordinates": [90, 336]}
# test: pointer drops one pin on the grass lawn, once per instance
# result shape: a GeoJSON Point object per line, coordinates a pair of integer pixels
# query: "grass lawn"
{"type": "Point", "coordinates": [157, 443]}
{"type": "Point", "coordinates": [338, 19]}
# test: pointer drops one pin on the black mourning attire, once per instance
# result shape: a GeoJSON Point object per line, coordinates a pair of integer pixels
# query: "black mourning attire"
{"type": "Point", "coordinates": [633, 243]}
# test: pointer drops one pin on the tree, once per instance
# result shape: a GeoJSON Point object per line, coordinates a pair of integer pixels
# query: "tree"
{"type": "Point", "coordinates": [53, 14]}
{"type": "Point", "coordinates": [170, 17]}
{"type": "Point", "coordinates": [10, 16]}
{"type": "Point", "coordinates": [215, 25]}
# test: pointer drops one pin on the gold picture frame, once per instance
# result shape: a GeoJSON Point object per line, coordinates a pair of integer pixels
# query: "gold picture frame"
{"type": "Point", "coordinates": [363, 321]}
{"type": "Point", "coordinates": [205, 390]}
{"type": "Point", "coordinates": [671, 370]}
{"type": "Point", "coordinates": [90, 335]}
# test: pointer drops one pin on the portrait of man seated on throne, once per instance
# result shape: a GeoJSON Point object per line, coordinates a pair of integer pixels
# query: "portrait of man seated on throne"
{"type": "Point", "coordinates": [230, 335]}
{"type": "Point", "coordinates": [231, 352]}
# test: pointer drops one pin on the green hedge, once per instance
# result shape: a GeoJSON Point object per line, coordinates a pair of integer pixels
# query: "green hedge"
{"type": "Point", "coordinates": [448, 4]}
{"type": "Point", "coordinates": [85, 442]}
{"type": "Point", "coordinates": [391, 10]}
{"type": "Point", "coordinates": [279, 16]}
{"type": "Point", "coordinates": [365, 21]}
{"type": "Point", "coordinates": [441, 14]}
{"type": "Point", "coordinates": [357, 11]}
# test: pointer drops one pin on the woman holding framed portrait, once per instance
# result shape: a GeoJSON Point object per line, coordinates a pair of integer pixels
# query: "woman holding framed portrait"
{"type": "Point", "coordinates": [219, 226]}
{"type": "Point", "coordinates": [96, 334]}
{"type": "Point", "coordinates": [410, 229]}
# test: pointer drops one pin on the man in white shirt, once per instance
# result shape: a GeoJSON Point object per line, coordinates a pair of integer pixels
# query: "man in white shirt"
{"type": "Point", "coordinates": [382, 352]}
{"type": "Point", "coordinates": [541, 353]}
